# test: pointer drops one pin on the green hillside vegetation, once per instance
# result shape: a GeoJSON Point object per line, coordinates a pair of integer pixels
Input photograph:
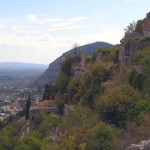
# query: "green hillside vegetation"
{"type": "Point", "coordinates": [111, 107]}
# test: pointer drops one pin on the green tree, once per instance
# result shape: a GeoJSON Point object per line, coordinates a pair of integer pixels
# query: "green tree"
{"type": "Point", "coordinates": [72, 89]}
{"type": "Point", "coordinates": [142, 58]}
{"type": "Point", "coordinates": [96, 74]}
{"type": "Point", "coordinates": [130, 28]}
{"type": "Point", "coordinates": [48, 91]}
{"type": "Point", "coordinates": [139, 26]}
{"type": "Point", "coordinates": [136, 80]}
{"type": "Point", "coordinates": [61, 100]}
{"type": "Point", "coordinates": [66, 66]}
{"type": "Point", "coordinates": [62, 83]}
{"type": "Point", "coordinates": [102, 137]}
{"type": "Point", "coordinates": [140, 107]}
{"type": "Point", "coordinates": [88, 99]}
{"type": "Point", "coordinates": [28, 104]}
{"type": "Point", "coordinates": [32, 142]}
{"type": "Point", "coordinates": [114, 106]}
{"type": "Point", "coordinates": [105, 51]}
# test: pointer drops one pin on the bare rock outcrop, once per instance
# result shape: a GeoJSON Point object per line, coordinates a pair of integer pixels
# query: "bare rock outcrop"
{"type": "Point", "coordinates": [129, 45]}
{"type": "Point", "coordinates": [143, 145]}
{"type": "Point", "coordinates": [146, 25]}
{"type": "Point", "coordinates": [134, 41]}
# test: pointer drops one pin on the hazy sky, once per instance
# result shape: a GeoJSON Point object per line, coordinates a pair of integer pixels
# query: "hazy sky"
{"type": "Point", "coordinates": [39, 31]}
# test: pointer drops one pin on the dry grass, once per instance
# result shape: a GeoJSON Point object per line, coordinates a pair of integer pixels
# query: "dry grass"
{"type": "Point", "coordinates": [135, 133]}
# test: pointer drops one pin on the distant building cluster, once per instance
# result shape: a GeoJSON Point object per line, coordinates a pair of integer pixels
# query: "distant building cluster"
{"type": "Point", "coordinates": [10, 110]}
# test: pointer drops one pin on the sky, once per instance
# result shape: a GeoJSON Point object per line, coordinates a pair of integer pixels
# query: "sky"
{"type": "Point", "coordinates": [39, 31]}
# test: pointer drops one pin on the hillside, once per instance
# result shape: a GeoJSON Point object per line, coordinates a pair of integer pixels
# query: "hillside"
{"type": "Point", "coordinates": [53, 70]}
{"type": "Point", "coordinates": [98, 102]}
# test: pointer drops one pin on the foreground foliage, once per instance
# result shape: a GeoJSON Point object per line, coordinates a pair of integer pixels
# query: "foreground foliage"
{"type": "Point", "coordinates": [111, 108]}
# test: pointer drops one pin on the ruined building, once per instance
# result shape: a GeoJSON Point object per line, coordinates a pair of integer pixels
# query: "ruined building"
{"type": "Point", "coordinates": [134, 41]}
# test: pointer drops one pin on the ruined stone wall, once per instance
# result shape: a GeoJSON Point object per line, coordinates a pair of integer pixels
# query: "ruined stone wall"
{"type": "Point", "coordinates": [131, 43]}
{"type": "Point", "coordinates": [98, 57]}
{"type": "Point", "coordinates": [146, 27]}
{"type": "Point", "coordinates": [78, 73]}
{"type": "Point", "coordinates": [148, 15]}
{"type": "Point", "coordinates": [83, 61]}
{"type": "Point", "coordinates": [36, 111]}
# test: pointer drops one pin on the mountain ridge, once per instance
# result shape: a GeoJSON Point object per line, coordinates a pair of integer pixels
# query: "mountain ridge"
{"type": "Point", "coordinates": [52, 72]}
{"type": "Point", "coordinates": [21, 65]}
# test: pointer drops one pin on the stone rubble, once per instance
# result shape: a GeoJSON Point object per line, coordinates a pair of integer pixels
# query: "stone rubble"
{"type": "Point", "coordinates": [143, 145]}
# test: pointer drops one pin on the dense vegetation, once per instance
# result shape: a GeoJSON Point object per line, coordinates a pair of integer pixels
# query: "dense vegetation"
{"type": "Point", "coordinates": [111, 106]}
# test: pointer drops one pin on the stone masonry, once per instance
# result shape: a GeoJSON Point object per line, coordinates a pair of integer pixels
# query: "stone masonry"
{"type": "Point", "coordinates": [131, 42]}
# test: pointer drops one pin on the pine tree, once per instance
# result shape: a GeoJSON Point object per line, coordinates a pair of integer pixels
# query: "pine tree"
{"type": "Point", "coordinates": [28, 104]}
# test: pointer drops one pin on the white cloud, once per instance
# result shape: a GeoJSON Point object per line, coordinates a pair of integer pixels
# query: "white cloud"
{"type": "Point", "coordinates": [5, 22]}
{"type": "Point", "coordinates": [32, 18]}
{"type": "Point", "coordinates": [16, 28]}
{"type": "Point", "coordinates": [77, 19]}
{"type": "Point", "coordinates": [2, 26]}
{"type": "Point", "coordinates": [67, 24]}
{"type": "Point", "coordinates": [46, 48]}
{"type": "Point", "coordinates": [129, 1]}
{"type": "Point", "coordinates": [20, 40]}
{"type": "Point", "coordinates": [59, 28]}
{"type": "Point", "coordinates": [63, 24]}
{"type": "Point", "coordinates": [53, 20]}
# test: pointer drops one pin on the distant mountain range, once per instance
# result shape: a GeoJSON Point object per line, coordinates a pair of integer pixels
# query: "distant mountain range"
{"type": "Point", "coordinates": [51, 74]}
{"type": "Point", "coordinates": [21, 66]}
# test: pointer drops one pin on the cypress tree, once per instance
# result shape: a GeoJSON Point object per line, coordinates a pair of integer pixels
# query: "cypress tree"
{"type": "Point", "coordinates": [28, 104]}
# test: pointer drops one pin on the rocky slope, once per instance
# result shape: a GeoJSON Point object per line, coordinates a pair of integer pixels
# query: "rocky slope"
{"type": "Point", "coordinates": [52, 72]}
{"type": "Point", "coordinates": [136, 40]}
{"type": "Point", "coordinates": [143, 145]}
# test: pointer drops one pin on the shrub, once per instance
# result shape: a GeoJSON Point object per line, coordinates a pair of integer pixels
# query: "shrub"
{"type": "Point", "coordinates": [114, 54]}
{"type": "Point", "coordinates": [145, 39]}
{"type": "Point", "coordinates": [102, 137]}
{"type": "Point", "coordinates": [66, 66]}
{"type": "Point", "coordinates": [130, 28]}
{"type": "Point", "coordinates": [89, 59]}
{"type": "Point", "coordinates": [62, 83]}
{"type": "Point", "coordinates": [139, 26]}
{"type": "Point", "coordinates": [78, 117]}
{"type": "Point", "coordinates": [136, 80]}
{"type": "Point", "coordinates": [61, 99]}
{"type": "Point", "coordinates": [142, 58]}
{"type": "Point", "coordinates": [105, 53]}
{"type": "Point", "coordinates": [32, 142]}
{"type": "Point", "coordinates": [49, 124]}
{"type": "Point", "coordinates": [139, 108]}
{"type": "Point", "coordinates": [100, 72]}
{"type": "Point", "coordinates": [72, 88]}
{"type": "Point", "coordinates": [74, 138]}
{"type": "Point", "coordinates": [88, 99]}
{"type": "Point", "coordinates": [113, 107]}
